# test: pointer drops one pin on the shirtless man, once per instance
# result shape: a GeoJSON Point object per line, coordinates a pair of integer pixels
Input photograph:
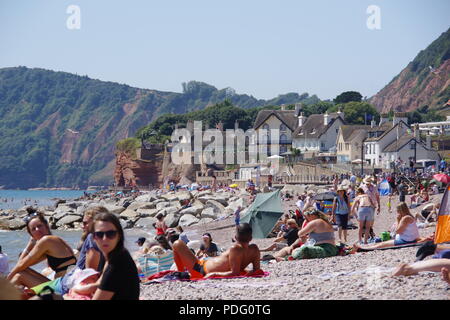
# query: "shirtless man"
{"type": "Point", "coordinates": [230, 263]}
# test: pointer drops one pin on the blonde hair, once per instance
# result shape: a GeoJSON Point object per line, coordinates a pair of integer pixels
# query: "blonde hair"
{"type": "Point", "coordinates": [92, 212]}
{"type": "Point", "coordinates": [291, 221]}
{"type": "Point", "coordinates": [319, 214]}
{"type": "Point", "coordinates": [402, 207]}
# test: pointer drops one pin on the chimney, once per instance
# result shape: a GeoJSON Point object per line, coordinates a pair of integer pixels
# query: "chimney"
{"type": "Point", "coordinates": [298, 107]}
{"type": "Point", "coordinates": [399, 116]}
{"type": "Point", "coordinates": [416, 132]}
{"type": "Point", "coordinates": [428, 141]}
{"type": "Point", "coordinates": [236, 125]}
{"type": "Point", "coordinates": [219, 126]}
{"type": "Point", "coordinates": [383, 118]}
{"type": "Point", "coordinates": [325, 118]}
{"type": "Point", "coordinates": [283, 107]}
{"type": "Point", "coordinates": [301, 119]}
{"type": "Point", "coordinates": [340, 113]}
{"type": "Point", "coordinates": [190, 126]}
{"type": "Point", "coordinates": [176, 126]}
{"type": "Point", "coordinates": [372, 123]}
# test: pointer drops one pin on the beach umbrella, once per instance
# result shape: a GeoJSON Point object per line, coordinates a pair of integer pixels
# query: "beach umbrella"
{"type": "Point", "coordinates": [264, 213]}
{"type": "Point", "coordinates": [437, 182]}
{"type": "Point", "coordinates": [357, 161]}
{"type": "Point", "coordinates": [442, 177]}
{"type": "Point", "coordinates": [326, 196]}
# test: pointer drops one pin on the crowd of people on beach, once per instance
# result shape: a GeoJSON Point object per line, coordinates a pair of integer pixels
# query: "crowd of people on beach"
{"type": "Point", "coordinates": [101, 268]}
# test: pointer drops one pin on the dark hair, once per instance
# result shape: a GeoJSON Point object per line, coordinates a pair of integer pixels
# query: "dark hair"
{"type": "Point", "coordinates": [244, 232]}
{"type": "Point", "coordinates": [208, 235]}
{"type": "Point", "coordinates": [162, 241]}
{"type": "Point", "coordinates": [111, 218]}
{"type": "Point", "coordinates": [159, 216]}
{"type": "Point", "coordinates": [0, 249]}
{"type": "Point", "coordinates": [40, 216]}
{"type": "Point", "coordinates": [360, 190]}
{"type": "Point", "coordinates": [174, 237]}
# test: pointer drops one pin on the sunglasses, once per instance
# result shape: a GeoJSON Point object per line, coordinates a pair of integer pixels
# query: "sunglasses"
{"type": "Point", "coordinates": [31, 216]}
{"type": "Point", "coordinates": [111, 234]}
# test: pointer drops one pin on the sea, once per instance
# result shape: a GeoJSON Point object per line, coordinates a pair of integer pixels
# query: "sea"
{"type": "Point", "coordinates": [13, 242]}
{"type": "Point", "coordinates": [16, 199]}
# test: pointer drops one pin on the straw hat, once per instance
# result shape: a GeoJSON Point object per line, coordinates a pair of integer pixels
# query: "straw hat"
{"type": "Point", "coordinates": [341, 188]}
{"type": "Point", "coordinates": [368, 179]}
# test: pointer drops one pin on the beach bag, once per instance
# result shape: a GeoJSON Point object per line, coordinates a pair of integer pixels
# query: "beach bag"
{"type": "Point", "coordinates": [385, 236]}
{"type": "Point", "coordinates": [151, 263]}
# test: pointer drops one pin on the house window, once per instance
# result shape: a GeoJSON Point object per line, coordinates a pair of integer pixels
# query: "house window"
{"type": "Point", "coordinates": [322, 145]}
{"type": "Point", "coordinates": [282, 128]}
{"type": "Point", "coordinates": [412, 145]}
{"type": "Point", "coordinates": [283, 138]}
{"type": "Point", "coordinates": [347, 146]}
{"type": "Point", "coordinates": [266, 127]}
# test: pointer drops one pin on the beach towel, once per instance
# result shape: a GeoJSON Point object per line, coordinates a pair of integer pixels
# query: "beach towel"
{"type": "Point", "coordinates": [170, 275]}
{"type": "Point", "coordinates": [151, 263]}
{"type": "Point", "coordinates": [384, 188]}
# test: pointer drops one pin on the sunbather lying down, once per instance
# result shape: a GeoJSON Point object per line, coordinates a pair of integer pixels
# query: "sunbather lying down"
{"type": "Point", "coordinates": [433, 265]}
{"type": "Point", "coordinates": [230, 263]}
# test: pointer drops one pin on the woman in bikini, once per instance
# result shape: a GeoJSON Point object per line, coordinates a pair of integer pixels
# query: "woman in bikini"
{"type": "Point", "coordinates": [42, 245]}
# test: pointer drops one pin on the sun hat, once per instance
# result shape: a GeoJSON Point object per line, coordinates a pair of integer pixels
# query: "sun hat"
{"type": "Point", "coordinates": [78, 276]}
{"type": "Point", "coordinates": [368, 179]}
{"type": "Point", "coordinates": [341, 188]}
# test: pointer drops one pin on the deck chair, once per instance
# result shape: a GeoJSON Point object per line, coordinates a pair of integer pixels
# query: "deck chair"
{"type": "Point", "coordinates": [152, 263]}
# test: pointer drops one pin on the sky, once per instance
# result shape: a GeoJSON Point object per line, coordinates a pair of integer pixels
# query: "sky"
{"type": "Point", "coordinates": [258, 47]}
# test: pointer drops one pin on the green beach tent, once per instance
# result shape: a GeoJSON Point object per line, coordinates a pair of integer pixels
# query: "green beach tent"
{"type": "Point", "coordinates": [264, 213]}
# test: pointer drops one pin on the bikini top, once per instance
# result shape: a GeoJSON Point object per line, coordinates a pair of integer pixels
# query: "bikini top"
{"type": "Point", "coordinates": [54, 263]}
{"type": "Point", "coordinates": [323, 236]}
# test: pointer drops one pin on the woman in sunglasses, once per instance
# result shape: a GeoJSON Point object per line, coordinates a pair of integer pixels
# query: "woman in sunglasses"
{"type": "Point", "coordinates": [120, 280]}
{"type": "Point", "coordinates": [42, 245]}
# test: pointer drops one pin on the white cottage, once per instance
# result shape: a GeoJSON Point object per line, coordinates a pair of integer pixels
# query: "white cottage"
{"type": "Point", "coordinates": [318, 132]}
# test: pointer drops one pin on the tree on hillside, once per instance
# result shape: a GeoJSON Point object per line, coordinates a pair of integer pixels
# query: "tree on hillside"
{"type": "Point", "coordinates": [348, 96]}
{"type": "Point", "coordinates": [356, 111]}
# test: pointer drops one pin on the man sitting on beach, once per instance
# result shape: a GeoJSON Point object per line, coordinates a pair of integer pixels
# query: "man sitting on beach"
{"type": "Point", "coordinates": [230, 263]}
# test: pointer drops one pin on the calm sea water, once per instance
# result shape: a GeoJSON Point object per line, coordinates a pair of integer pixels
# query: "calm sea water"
{"type": "Point", "coordinates": [13, 242]}
{"type": "Point", "coordinates": [15, 199]}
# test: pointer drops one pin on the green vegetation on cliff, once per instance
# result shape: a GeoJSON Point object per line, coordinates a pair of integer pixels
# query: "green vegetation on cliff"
{"type": "Point", "coordinates": [60, 129]}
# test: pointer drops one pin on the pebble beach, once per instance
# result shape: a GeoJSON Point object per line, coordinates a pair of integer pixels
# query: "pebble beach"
{"type": "Point", "coordinates": [360, 276]}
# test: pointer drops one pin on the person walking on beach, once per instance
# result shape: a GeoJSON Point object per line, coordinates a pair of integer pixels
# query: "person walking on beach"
{"type": "Point", "coordinates": [340, 212]}
{"type": "Point", "coordinates": [402, 190]}
{"type": "Point", "coordinates": [364, 207]}
{"type": "Point", "coordinates": [230, 263]}
{"type": "Point", "coordinates": [4, 265]}
{"type": "Point", "coordinates": [372, 192]}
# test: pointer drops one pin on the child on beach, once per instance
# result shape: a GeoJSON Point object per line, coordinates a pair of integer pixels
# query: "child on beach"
{"type": "Point", "coordinates": [389, 203]}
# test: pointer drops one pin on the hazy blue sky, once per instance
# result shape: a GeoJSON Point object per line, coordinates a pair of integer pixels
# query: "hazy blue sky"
{"type": "Point", "coordinates": [259, 47]}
